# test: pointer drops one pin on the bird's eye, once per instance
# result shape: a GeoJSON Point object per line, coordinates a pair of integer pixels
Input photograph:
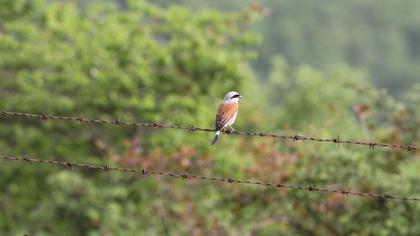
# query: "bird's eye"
{"type": "Point", "coordinates": [235, 96]}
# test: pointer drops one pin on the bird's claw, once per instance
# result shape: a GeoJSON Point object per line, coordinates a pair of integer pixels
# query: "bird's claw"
{"type": "Point", "coordinates": [231, 130]}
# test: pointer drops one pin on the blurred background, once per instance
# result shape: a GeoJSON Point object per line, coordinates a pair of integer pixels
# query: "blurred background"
{"type": "Point", "coordinates": [315, 68]}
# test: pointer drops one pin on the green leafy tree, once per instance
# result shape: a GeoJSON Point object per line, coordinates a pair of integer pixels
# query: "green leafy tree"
{"type": "Point", "coordinates": [141, 64]}
{"type": "Point", "coordinates": [379, 36]}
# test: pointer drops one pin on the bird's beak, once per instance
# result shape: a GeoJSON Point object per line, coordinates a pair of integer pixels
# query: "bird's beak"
{"type": "Point", "coordinates": [240, 96]}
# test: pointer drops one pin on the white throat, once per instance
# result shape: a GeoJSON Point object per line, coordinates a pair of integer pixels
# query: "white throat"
{"type": "Point", "coordinates": [233, 100]}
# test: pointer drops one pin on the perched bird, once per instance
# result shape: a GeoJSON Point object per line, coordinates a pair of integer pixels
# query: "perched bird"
{"type": "Point", "coordinates": [226, 114]}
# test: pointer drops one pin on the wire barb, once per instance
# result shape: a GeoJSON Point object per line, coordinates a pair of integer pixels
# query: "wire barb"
{"type": "Point", "coordinates": [297, 138]}
{"type": "Point", "coordinates": [337, 140]}
{"type": "Point", "coordinates": [117, 122]}
{"type": "Point", "coordinates": [346, 192]}
{"type": "Point", "coordinates": [372, 146]}
{"type": "Point", "coordinates": [187, 176]}
{"type": "Point", "coordinates": [44, 116]}
{"type": "Point", "coordinates": [69, 164]}
{"type": "Point", "coordinates": [106, 168]}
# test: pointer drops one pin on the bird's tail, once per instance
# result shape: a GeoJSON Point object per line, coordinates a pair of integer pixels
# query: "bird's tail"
{"type": "Point", "coordinates": [216, 137]}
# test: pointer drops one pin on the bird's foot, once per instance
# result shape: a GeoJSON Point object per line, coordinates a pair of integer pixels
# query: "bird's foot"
{"type": "Point", "coordinates": [231, 130]}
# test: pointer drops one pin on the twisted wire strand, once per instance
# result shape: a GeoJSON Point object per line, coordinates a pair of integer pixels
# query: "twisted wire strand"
{"type": "Point", "coordinates": [187, 176]}
{"type": "Point", "coordinates": [337, 140]}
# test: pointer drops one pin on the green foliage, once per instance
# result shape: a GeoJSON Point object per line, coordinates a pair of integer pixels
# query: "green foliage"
{"type": "Point", "coordinates": [145, 63]}
{"type": "Point", "coordinates": [325, 104]}
{"type": "Point", "coordinates": [313, 93]}
{"type": "Point", "coordinates": [379, 36]}
{"type": "Point", "coordinates": [18, 8]}
{"type": "Point", "coordinates": [141, 64]}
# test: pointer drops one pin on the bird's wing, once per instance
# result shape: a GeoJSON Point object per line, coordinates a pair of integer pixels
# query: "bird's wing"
{"type": "Point", "coordinates": [225, 112]}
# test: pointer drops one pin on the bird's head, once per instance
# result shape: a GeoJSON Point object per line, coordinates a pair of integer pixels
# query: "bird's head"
{"type": "Point", "coordinates": [232, 96]}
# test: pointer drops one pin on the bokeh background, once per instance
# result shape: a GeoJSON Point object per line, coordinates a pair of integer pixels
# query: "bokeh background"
{"type": "Point", "coordinates": [315, 68]}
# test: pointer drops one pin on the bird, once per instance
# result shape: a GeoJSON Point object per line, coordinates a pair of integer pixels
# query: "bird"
{"type": "Point", "coordinates": [226, 114]}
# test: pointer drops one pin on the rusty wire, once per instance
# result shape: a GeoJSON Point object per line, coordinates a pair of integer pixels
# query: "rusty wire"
{"type": "Point", "coordinates": [187, 176]}
{"type": "Point", "coordinates": [337, 140]}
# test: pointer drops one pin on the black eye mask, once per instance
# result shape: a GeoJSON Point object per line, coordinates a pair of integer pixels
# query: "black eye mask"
{"type": "Point", "coordinates": [235, 96]}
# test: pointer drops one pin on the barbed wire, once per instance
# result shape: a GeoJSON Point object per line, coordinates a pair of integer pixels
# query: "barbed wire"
{"type": "Point", "coordinates": [186, 176]}
{"type": "Point", "coordinates": [337, 140]}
